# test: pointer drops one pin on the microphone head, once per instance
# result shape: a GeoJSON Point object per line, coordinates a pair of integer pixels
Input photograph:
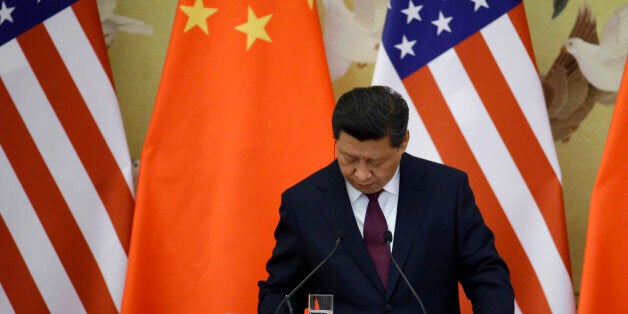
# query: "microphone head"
{"type": "Point", "coordinates": [388, 236]}
{"type": "Point", "coordinates": [340, 234]}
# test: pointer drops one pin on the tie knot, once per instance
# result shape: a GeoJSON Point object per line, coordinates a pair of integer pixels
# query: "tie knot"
{"type": "Point", "coordinates": [373, 196]}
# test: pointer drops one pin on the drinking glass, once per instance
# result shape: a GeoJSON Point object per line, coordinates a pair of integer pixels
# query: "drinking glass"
{"type": "Point", "coordinates": [321, 304]}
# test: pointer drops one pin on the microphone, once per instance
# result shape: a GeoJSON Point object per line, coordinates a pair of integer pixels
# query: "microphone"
{"type": "Point", "coordinates": [388, 238]}
{"type": "Point", "coordinates": [340, 235]}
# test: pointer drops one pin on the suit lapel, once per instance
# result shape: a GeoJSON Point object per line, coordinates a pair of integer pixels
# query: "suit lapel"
{"type": "Point", "coordinates": [414, 192]}
{"type": "Point", "coordinates": [336, 207]}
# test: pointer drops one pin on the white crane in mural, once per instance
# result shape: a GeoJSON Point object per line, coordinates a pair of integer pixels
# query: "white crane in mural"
{"type": "Point", "coordinates": [603, 64]}
{"type": "Point", "coordinates": [113, 23]}
{"type": "Point", "coordinates": [586, 72]}
{"type": "Point", "coordinates": [352, 36]}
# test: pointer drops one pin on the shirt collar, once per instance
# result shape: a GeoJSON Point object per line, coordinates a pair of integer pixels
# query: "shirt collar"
{"type": "Point", "coordinates": [391, 187]}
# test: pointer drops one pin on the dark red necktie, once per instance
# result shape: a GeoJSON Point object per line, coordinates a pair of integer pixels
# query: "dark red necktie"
{"type": "Point", "coordinates": [374, 228]}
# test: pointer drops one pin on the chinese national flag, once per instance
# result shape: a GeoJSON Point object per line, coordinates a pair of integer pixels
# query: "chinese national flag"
{"type": "Point", "coordinates": [604, 276]}
{"type": "Point", "coordinates": [243, 112]}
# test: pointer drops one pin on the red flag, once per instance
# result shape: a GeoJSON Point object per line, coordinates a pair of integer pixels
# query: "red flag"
{"type": "Point", "coordinates": [65, 174]}
{"type": "Point", "coordinates": [243, 112]}
{"type": "Point", "coordinates": [467, 70]}
{"type": "Point", "coordinates": [604, 279]}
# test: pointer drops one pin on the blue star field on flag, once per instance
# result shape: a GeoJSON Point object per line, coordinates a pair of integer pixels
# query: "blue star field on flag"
{"type": "Point", "coordinates": [417, 31]}
{"type": "Point", "coordinates": [18, 16]}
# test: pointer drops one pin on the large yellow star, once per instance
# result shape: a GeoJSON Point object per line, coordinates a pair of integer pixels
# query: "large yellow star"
{"type": "Point", "coordinates": [197, 15]}
{"type": "Point", "coordinates": [254, 28]}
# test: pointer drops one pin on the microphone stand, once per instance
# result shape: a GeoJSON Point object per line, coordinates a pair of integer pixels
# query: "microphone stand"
{"type": "Point", "coordinates": [340, 235]}
{"type": "Point", "coordinates": [388, 239]}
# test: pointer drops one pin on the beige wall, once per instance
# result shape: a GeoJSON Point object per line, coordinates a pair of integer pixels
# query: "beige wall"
{"type": "Point", "coordinates": [137, 61]}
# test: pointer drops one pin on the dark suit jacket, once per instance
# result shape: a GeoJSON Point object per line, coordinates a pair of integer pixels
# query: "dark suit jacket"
{"type": "Point", "coordinates": [440, 239]}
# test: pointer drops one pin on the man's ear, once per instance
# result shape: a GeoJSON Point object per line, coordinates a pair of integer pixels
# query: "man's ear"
{"type": "Point", "coordinates": [406, 140]}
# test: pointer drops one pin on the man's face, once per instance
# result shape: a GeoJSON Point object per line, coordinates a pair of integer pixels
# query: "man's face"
{"type": "Point", "coordinates": [368, 165]}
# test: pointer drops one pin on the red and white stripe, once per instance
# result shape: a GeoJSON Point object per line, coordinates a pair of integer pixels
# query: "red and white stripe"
{"type": "Point", "coordinates": [66, 195]}
{"type": "Point", "coordinates": [480, 107]}
{"type": "Point", "coordinates": [4, 302]}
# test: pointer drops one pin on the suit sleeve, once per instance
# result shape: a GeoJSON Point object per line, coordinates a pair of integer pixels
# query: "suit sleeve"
{"type": "Point", "coordinates": [482, 272]}
{"type": "Point", "coordinates": [286, 267]}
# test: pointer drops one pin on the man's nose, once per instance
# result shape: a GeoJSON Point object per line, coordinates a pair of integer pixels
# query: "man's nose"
{"type": "Point", "coordinates": [363, 172]}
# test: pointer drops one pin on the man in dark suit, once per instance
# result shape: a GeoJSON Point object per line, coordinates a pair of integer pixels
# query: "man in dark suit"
{"type": "Point", "coordinates": [440, 238]}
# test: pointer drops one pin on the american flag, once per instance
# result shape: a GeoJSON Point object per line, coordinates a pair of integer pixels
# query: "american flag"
{"type": "Point", "coordinates": [467, 69]}
{"type": "Point", "coordinates": [66, 194]}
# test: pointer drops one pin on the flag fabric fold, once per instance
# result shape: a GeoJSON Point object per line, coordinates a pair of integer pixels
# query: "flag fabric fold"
{"type": "Point", "coordinates": [243, 111]}
{"type": "Point", "coordinates": [468, 73]}
{"type": "Point", "coordinates": [604, 278]}
{"type": "Point", "coordinates": [66, 194]}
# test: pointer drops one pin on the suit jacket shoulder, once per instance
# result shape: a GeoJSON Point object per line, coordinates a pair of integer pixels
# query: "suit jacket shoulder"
{"type": "Point", "coordinates": [321, 180]}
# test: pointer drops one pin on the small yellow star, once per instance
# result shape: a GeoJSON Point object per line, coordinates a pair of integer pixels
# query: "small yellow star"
{"type": "Point", "coordinates": [254, 28]}
{"type": "Point", "coordinates": [197, 16]}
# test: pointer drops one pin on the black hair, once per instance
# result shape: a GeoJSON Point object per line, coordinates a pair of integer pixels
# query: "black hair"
{"type": "Point", "coordinates": [371, 113]}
